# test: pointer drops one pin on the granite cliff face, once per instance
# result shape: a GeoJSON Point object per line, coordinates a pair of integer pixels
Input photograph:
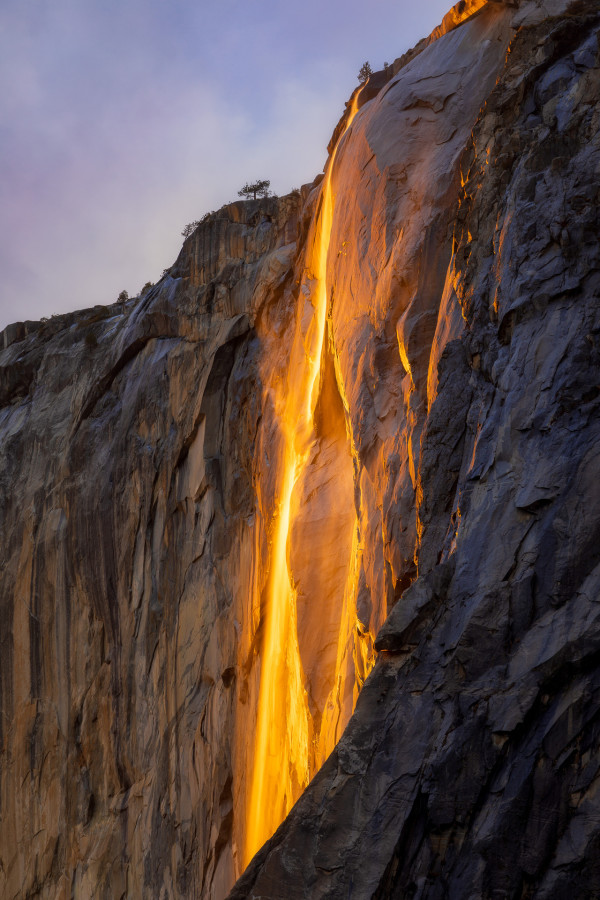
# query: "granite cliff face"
{"type": "Point", "coordinates": [119, 515]}
{"type": "Point", "coordinates": [432, 309]}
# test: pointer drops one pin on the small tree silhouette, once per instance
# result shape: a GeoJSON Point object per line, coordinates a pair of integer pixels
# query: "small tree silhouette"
{"type": "Point", "coordinates": [365, 72]}
{"type": "Point", "coordinates": [123, 297]}
{"type": "Point", "coordinates": [256, 189]}
{"type": "Point", "coordinates": [190, 228]}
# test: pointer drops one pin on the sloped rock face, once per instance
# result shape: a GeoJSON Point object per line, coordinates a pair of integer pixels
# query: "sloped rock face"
{"type": "Point", "coordinates": [452, 480]}
{"type": "Point", "coordinates": [470, 767]}
{"type": "Point", "coordinates": [127, 500]}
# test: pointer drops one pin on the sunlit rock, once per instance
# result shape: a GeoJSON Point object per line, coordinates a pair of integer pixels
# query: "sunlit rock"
{"type": "Point", "coordinates": [352, 430]}
{"type": "Point", "coordinates": [467, 769]}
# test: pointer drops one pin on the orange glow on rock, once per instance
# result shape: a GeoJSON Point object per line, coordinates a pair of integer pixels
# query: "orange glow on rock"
{"type": "Point", "coordinates": [459, 13]}
{"type": "Point", "coordinates": [284, 757]}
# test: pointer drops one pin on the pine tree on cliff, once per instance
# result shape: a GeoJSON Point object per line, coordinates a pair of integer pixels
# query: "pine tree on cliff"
{"type": "Point", "coordinates": [190, 228]}
{"type": "Point", "coordinates": [254, 190]}
{"type": "Point", "coordinates": [365, 72]}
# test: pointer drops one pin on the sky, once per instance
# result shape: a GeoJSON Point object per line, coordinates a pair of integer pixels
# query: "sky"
{"type": "Point", "coordinates": [123, 120]}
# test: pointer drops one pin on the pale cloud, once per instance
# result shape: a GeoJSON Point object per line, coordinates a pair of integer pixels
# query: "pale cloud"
{"type": "Point", "coordinates": [122, 121]}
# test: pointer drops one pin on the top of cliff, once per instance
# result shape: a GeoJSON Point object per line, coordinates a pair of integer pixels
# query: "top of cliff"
{"type": "Point", "coordinates": [443, 540]}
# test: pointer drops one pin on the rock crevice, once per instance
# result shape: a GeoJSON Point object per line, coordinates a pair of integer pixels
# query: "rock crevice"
{"type": "Point", "coordinates": [444, 524]}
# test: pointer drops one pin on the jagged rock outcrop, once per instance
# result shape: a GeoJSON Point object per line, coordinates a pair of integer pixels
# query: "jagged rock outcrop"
{"type": "Point", "coordinates": [444, 526]}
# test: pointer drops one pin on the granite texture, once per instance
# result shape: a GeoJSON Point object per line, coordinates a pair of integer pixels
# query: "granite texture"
{"type": "Point", "coordinates": [450, 509]}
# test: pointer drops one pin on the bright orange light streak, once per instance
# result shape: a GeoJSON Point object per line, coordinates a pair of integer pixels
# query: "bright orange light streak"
{"type": "Point", "coordinates": [281, 756]}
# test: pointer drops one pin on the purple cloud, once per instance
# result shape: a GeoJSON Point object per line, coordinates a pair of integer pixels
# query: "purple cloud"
{"type": "Point", "coordinates": [122, 121]}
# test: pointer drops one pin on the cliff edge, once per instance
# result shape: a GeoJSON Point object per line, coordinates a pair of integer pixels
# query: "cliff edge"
{"type": "Point", "coordinates": [432, 308]}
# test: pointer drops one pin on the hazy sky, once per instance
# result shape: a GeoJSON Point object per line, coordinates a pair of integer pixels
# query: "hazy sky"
{"type": "Point", "coordinates": [122, 120]}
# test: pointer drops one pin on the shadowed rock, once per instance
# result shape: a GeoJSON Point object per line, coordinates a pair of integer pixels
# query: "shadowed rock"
{"type": "Point", "coordinates": [454, 475]}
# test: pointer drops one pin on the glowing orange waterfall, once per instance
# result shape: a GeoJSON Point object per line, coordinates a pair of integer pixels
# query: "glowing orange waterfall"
{"type": "Point", "coordinates": [281, 766]}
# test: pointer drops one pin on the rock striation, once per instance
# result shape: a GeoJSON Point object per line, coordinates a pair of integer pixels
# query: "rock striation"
{"type": "Point", "coordinates": [470, 766]}
{"type": "Point", "coordinates": [126, 492]}
{"type": "Point", "coordinates": [444, 526]}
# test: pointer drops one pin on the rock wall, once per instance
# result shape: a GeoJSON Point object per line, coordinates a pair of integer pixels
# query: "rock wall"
{"type": "Point", "coordinates": [467, 331]}
{"type": "Point", "coordinates": [126, 497]}
{"type": "Point", "coordinates": [445, 525]}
